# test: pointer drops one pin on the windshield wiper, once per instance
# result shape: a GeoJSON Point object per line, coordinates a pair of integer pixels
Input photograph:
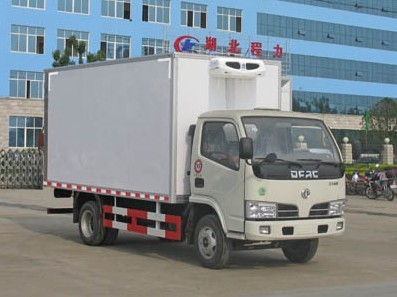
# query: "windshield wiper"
{"type": "Point", "coordinates": [321, 162]}
{"type": "Point", "coordinates": [272, 158]}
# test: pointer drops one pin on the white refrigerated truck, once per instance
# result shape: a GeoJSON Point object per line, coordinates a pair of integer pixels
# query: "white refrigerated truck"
{"type": "Point", "coordinates": [191, 148]}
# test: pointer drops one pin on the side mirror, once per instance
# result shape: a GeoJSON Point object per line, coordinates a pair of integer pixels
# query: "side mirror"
{"type": "Point", "coordinates": [246, 148]}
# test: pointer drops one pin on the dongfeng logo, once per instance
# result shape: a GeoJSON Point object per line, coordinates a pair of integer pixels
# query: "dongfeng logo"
{"type": "Point", "coordinates": [305, 193]}
{"type": "Point", "coordinates": [304, 174]}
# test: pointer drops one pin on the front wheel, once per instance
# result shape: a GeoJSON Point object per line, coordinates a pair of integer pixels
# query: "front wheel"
{"type": "Point", "coordinates": [370, 193]}
{"type": "Point", "coordinates": [211, 244]}
{"type": "Point", "coordinates": [300, 251]}
{"type": "Point", "coordinates": [389, 194]}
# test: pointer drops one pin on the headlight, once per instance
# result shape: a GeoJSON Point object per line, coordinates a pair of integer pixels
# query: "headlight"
{"type": "Point", "coordinates": [336, 208]}
{"type": "Point", "coordinates": [260, 210]}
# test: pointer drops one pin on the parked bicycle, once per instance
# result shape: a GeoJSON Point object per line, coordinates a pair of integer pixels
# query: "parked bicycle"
{"type": "Point", "coordinates": [357, 185]}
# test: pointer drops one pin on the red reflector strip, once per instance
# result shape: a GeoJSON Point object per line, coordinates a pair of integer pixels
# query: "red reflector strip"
{"type": "Point", "coordinates": [119, 193]}
{"type": "Point", "coordinates": [177, 221]}
{"type": "Point", "coordinates": [135, 225]}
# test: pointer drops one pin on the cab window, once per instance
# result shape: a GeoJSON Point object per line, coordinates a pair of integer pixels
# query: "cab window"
{"type": "Point", "coordinates": [219, 143]}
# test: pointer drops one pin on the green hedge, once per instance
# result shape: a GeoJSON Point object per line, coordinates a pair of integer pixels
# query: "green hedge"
{"type": "Point", "coordinates": [362, 168]}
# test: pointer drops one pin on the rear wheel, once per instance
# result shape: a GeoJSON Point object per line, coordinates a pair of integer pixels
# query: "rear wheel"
{"type": "Point", "coordinates": [300, 251]}
{"type": "Point", "coordinates": [92, 231]}
{"type": "Point", "coordinates": [370, 193]}
{"type": "Point", "coordinates": [211, 244]}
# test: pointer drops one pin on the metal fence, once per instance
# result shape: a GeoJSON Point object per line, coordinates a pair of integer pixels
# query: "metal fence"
{"type": "Point", "coordinates": [21, 169]}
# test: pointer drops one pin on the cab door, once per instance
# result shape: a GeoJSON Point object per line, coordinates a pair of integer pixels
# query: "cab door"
{"type": "Point", "coordinates": [217, 172]}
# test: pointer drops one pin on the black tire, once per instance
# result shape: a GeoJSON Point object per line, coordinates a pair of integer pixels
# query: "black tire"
{"type": "Point", "coordinates": [211, 244]}
{"type": "Point", "coordinates": [92, 231]}
{"type": "Point", "coordinates": [389, 194]}
{"type": "Point", "coordinates": [91, 228]}
{"type": "Point", "coordinates": [300, 251]}
{"type": "Point", "coordinates": [370, 193]}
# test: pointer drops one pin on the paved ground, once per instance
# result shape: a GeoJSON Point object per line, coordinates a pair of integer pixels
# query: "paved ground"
{"type": "Point", "coordinates": [42, 255]}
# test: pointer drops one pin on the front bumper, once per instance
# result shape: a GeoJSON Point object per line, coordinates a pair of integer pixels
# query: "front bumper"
{"type": "Point", "coordinates": [293, 229]}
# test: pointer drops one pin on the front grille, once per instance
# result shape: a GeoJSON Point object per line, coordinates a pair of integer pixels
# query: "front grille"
{"type": "Point", "coordinates": [319, 210]}
{"type": "Point", "coordinates": [287, 211]}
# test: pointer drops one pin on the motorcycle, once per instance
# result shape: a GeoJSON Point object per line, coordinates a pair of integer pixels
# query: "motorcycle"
{"type": "Point", "coordinates": [380, 185]}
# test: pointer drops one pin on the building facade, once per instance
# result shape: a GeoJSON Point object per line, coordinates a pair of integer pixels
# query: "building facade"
{"type": "Point", "coordinates": [341, 54]}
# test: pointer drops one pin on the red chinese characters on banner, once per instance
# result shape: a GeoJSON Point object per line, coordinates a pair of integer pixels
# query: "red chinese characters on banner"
{"type": "Point", "coordinates": [210, 43]}
{"type": "Point", "coordinates": [234, 47]}
{"type": "Point", "coordinates": [256, 49]}
{"type": "Point", "coordinates": [278, 51]}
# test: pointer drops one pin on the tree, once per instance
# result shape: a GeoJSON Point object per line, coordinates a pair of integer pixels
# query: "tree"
{"type": "Point", "coordinates": [382, 117]}
{"type": "Point", "coordinates": [62, 59]}
{"type": "Point", "coordinates": [99, 56]}
{"type": "Point", "coordinates": [79, 47]}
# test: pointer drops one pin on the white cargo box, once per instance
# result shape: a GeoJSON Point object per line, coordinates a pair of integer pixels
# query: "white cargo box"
{"type": "Point", "coordinates": [121, 127]}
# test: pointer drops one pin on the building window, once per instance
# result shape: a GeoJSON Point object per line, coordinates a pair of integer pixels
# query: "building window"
{"type": "Point", "coordinates": [386, 8]}
{"type": "Point", "coordinates": [26, 84]}
{"type": "Point", "coordinates": [151, 46]}
{"type": "Point", "coordinates": [115, 46]}
{"type": "Point", "coordinates": [324, 32]}
{"type": "Point", "coordinates": [156, 11]}
{"type": "Point", "coordinates": [193, 15]}
{"type": "Point", "coordinates": [74, 6]}
{"type": "Point", "coordinates": [117, 9]}
{"type": "Point", "coordinates": [324, 67]}
{"type": "Point", "coordinates": [27, 39]}
{"type": "Point", "coordinates": [229, 19]}
{"type": "Point", "coordinates": [63, 40]}
{"type": "Point", "coordinates": [39, 4]}
{"type": "Point", "coordinates": [24, 131]}
{"type": "Point", "coordinates": [333, 103]}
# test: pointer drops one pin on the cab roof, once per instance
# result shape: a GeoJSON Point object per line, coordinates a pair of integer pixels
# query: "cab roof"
{"type": "Point", "coordinates": [236, 114]}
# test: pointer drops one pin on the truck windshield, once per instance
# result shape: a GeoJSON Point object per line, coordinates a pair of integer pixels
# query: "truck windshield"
{"type": "Point", "coordinates": [290, 140]}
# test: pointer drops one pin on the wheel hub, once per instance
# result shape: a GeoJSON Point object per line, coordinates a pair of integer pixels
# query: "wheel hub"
{"type": "Point", "coordinates": [207, 242]}
{"type": "Point", "coordinates": [87, 224]}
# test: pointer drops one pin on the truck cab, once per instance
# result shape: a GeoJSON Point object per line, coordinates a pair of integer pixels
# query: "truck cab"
{"type": "Point", "coordinates": [271, 177]}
